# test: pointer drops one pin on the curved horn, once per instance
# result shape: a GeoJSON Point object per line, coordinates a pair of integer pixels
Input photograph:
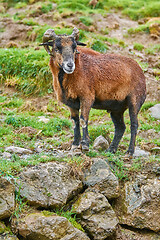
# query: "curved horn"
{"type": "Point", "coordinates": [48, 35]}
{"type": "Point", "coordinates": [75, 33]}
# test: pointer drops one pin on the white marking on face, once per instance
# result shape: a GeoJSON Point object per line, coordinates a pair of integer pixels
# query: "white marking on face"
{"type": "Point", "coordinates": [68, 67]}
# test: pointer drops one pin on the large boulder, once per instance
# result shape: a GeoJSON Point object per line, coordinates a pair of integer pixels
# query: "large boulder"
{"type": "Point", "coordinates": [7, 198]}
{"type": "Point", "coordinates": [96, 214]}
{"type": "Point", "coordinates": [52, 227]}
{"type": "Point", "coordinates": [99, 176]}
{"type": "Point", "coordinates": [49, 185]}
{"type": "Point", "coordinates": [138, 204]}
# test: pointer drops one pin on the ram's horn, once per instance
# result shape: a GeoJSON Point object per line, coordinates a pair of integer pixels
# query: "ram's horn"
{"type": "Point", "coordinates": [48, 35]}
{"type": "Point", "coordinates": [75, 33]}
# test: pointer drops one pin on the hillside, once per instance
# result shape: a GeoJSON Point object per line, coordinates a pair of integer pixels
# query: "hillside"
{"type": "Point", "coordinates": [36, 129]}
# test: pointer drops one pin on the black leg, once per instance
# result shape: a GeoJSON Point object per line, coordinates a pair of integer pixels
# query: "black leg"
{"type": "Point", "coordinates": [77, 134]}
{"type": "Point", "coordinates": [119, 124]}
{"type": "Point", "coordinates": [134, 127]}
{"type": "Point", "coordinates": [85, 139]}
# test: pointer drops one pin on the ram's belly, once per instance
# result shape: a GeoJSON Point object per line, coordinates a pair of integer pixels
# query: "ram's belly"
{"type": "Point", "coordinates": [72, 103]}
{"type": "Point", "coordinates": [111, 105]}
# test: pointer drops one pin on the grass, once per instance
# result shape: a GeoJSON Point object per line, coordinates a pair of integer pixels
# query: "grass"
{"type": "Point", "coordinates": [67, 214]}
{"type": "Point", "coordinates": [28, 69]}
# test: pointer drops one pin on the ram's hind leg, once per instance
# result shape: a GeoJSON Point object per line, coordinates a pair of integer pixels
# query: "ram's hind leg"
{"type": "Point", "coordinates": [77, 134]}
{"type": "Point", "coordinates": [119, 125]}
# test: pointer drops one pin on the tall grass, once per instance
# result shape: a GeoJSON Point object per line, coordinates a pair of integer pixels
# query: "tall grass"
{"type": "Point", "coordinates": [28, 69]}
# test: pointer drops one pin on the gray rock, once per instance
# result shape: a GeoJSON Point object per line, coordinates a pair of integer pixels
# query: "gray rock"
{"type": "Point", "coordinates": [138, 204]}
{"type": "Point", "coordinates": [155, 111]}
{"type": "Point", "coordinates": [18, 150]}
{"type": "Point", "coordinates": [5, 234]}
{"type": "Point", "coordinates": [140, 153]}
{"type": "Point", "coordinates": [49, 185]}
{"type": "Point", "coordinates": [7, 198]}
{"type": "Point", "coordinates": [100, 143]}
{"type": "Point", "coordinates": [97, 215]}
{"type": "Point", "coordinates": [100, 177]}
{"type": "Point", "coordinates": [43, 119]}
{"type": "Point", "coordinates": [126, 234]}
{"type": "Point", "coordinates": [6, 155]}
{"type": "Point", "coordinates": [156, 150]}
{"type": "Point", "coordinates": [39, 226]}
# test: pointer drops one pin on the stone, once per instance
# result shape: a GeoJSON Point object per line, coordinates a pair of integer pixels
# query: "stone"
{"type": "Point", "coordinates": [52, 227]}
{"type": "Point", "coordinates": [156, 150]}
{"type": "Point", "coordinates": [43, 119]}
{"type": "Point", "coordinates": [140, 153]}
{"type": "Point", "coordinates": [138, 204]}
{"type": "Point", "coordinates": [51, 184]}
{"type": "Point", "coordinates": [5, 234]}
{"type": "Point", "coordinates": [100, 177]}
{"type": "Point", "coordinates": [6, 155]}
{"type": "Point", "coordinates": [7, 198]}
{"type": "Point", "coordinates": [100, 143]}
{"type": "Point", "coordinates": [96, 214]}
{"type": "Point", "coordinates": [18, 150]}
{"type": "Point", "coordinates": [155, 111]}
{"type": "Point", "coordinates": [127, 234]}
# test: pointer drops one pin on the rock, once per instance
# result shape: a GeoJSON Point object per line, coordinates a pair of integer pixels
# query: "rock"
{"type": "Point", "coordinates": [155, 111]}
{"type": "Point", "coordinates": [6, 155]}
{"type": "Point", "coordinates": [127, 234]}
{"type": "Point", "coordinates": [49, 185]}
{"type": "Point", "coordinates": [18, 150]}
{"type": "Point", "coordinates": [7, 198]}
{"type": "Point", "coordinates": [154, 29]}
{"type": "Point", "coordinates": [43, 119]}
{"type": "Point", "coordinates": [138, 204]}
{"type": "Point", "coordinates": [112, 21]}
{"type": "Point", "coordinates": [52, 227]}
{"type": "Point", "coordinates": [100, 177]}
{"type": "Point", "coordinates": [97, 215]}
{"type": "Point", "coordinates": [12, 44]}
{"type": "Point", "coordinates": [156, 150]}
{"type": "Point", "coordinates": [100, 143]}
{"type": "Point", "coordinates": [140, 153]}
{"type": "Point", "coordinates": [5, 234]}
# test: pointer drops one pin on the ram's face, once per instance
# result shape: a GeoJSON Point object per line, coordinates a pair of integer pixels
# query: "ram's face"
{"type": "Point", "coordinates": [64, 51]}
{"type": "Point", "coordinates": [63, 48]}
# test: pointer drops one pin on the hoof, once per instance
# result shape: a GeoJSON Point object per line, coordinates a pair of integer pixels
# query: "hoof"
{"type": "Point", "coordinates": [75, 148]}
{"type": "Point", "coordinates": [85, 148]}
{"type": "Point", "coordinates": [127, 156]}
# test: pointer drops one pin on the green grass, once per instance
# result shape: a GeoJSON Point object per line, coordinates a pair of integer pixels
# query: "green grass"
{"type": "Point", "coordinates": [67, 214]}
{"type": "Point", "coordinates": [138, 46]}
{"type": "Point", "coordinates": [28, 69]}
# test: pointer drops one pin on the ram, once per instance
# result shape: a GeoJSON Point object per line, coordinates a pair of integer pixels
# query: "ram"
{"type": "Point", "coordinates": [85, 79]}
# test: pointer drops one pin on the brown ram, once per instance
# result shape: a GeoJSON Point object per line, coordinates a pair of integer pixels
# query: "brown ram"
{"type": "Point", "coordinates": [85, 79]}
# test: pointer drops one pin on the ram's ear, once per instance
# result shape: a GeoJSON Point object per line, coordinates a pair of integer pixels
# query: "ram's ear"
{"type": "Point", "coordinates": [80, 43]}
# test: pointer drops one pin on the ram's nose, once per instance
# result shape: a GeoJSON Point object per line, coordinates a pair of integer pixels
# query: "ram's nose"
{"type": "Point", "coordinates": [69, 67]}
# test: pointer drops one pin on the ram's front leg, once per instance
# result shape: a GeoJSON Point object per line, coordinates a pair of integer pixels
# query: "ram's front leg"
{"type": "Point", "coordinates": [77, 134]}
{"type": "Point", "coordinates": [85, 109]}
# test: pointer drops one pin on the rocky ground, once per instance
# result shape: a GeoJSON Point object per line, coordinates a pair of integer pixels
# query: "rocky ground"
{"type": "Point", "coordinates": [59, 194]}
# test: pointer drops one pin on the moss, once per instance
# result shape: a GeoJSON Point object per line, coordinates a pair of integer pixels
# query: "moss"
{"type": "Point", "coordinates": [138, 46]}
